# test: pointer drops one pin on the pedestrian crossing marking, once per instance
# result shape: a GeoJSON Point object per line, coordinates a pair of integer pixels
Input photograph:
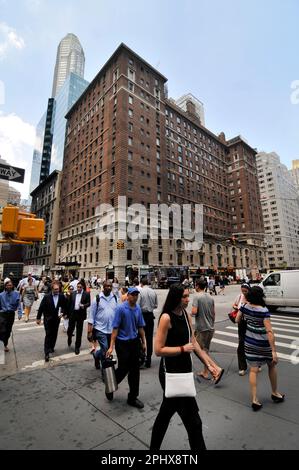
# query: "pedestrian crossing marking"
{"type": "Point", "coordinates": [284, 320]}
{"type": "Point", "coordinates": [276, 334]}
{"type": "Point", "coordinates": [55, 359]}
{"type": "Point", "coordinates": [278, 343]}
{"type": "Point", "coordinates": [288, 357]}
{"type": "Point", "coordinates": [284, 317]}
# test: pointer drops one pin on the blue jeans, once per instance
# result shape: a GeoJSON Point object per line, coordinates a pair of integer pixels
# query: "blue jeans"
{"type": "Point", "coordinates": [104, 342]}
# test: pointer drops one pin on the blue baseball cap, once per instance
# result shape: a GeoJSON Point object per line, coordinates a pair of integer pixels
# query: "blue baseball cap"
{"type": "Point", "coordinates": [133, 290]}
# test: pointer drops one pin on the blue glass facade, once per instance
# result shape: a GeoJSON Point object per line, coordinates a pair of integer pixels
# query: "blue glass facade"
{"type": "Point", "coordinates": [71, 90]}
{"type": "Point", "coordinates": [37, 153]}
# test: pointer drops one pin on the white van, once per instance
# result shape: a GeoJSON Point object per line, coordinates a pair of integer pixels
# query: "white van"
{"type": "Point", "coordinates": [281, 289]}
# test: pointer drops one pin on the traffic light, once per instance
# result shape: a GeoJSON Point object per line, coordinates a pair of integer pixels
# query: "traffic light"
{"type": "Point", "coordinates": [21, 227]}
{"type": "Point", "coordinates": [120, 244]}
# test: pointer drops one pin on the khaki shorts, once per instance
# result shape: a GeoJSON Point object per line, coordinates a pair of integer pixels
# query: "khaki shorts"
{"type": "Point", "coordinates": [204, 339]}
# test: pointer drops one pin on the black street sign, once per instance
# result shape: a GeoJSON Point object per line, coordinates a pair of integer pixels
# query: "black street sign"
{"type": "Point", "coordinates": [11, 173]}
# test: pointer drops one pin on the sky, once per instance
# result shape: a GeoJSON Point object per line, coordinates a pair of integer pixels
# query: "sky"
{"type": "Point", "coordinates": [239, 57]}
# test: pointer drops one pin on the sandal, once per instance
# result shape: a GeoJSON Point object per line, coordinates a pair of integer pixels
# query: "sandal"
{"type": "Point", "coordinates": [219, 377]}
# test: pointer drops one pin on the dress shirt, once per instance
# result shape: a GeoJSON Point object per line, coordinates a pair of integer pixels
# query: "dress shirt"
{"type": "Point", "coordinates": [78, 300]}
{"type": "Point", "coordinates": [55, 299]}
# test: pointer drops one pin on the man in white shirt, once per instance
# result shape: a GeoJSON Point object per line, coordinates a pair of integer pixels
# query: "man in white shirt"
{"type": "Point", "coordinates": [79, 302]}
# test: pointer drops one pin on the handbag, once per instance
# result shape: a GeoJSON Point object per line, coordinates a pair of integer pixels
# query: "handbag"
{"type": "Point", "coordinates": [179, 384]}
{"type": "Point", "coordinates": [232, 315]}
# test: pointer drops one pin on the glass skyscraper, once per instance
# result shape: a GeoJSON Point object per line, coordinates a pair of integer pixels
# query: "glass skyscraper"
{"type": "Point", "coordinates": [70, 58]}
{"type": "Point", "coordinates": [68, 85]}
{"type": "Point", "coordinates": [37, 153]}
{"type": "Point", "coordinates": [71, 90]}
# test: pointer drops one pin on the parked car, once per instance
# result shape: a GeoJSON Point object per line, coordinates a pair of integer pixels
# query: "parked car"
{"type": "Point", "coordinates": [281, 289]}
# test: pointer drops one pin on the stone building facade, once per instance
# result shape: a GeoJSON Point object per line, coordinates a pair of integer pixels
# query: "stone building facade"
{"type": "Point", "coordinates": [126, 138]}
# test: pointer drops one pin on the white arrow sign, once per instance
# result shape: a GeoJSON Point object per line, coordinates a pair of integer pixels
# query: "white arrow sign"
{"type": "Point", "coordinates": [10, 173]}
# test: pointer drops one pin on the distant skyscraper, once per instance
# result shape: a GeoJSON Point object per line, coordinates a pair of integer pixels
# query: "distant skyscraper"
{"type": "Point", "coordinates": [68, 84]}
{"type": "Point", "coordinates": [192, 105]}
{"type": "Point", "coordinates": [295, 173]}
{"type": "Point", "coordinates": [70, 58]}
{"type": "Point", "coordinates": [280, 205]}
{"type": "Point", "coordinates": [71, 90]}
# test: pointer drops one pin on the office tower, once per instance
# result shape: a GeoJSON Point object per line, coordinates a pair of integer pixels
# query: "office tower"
{"type": "Point", "coordinates": [295, 173]}
{"type": "Point", "coordinates": [37, 153]}
{"type": "Point", "coordinates": [70, 58]}
{"type": "Point", "coordinates": [280, 205]}
{"type": "Point", "coordinates": [68, 94]}
{"type": "Point", "coordinates": [68, 84]}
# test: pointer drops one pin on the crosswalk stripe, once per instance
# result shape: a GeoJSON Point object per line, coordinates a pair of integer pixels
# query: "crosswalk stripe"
{"type": "Point", "coordinates": [55, 359]}
{"type": "Point", "coordinates": [276, 334]}
{"type": "Point", "coordinates": [288, 357]}
{"type": "Point", "coordinates": [282, 317]}
{"type": "Point", "coordinates": [285, 320]}
{"type": "Point", "coordinates": [278, 343]}
{"type": "Point", "coordinates": [284, 324]}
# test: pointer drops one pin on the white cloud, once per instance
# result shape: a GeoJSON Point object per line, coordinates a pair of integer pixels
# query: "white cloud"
{"type": "Point", "coordinates": [17, 139]}
{"type": "Point", "coordinates": [9, 39]}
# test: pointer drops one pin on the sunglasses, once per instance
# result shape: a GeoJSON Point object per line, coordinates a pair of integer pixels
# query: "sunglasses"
{"type": "Point", "coordinates": [185, 296]}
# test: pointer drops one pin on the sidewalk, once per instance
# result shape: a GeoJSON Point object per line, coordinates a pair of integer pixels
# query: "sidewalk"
{"type": "Point", "coordinates": [64, 407]}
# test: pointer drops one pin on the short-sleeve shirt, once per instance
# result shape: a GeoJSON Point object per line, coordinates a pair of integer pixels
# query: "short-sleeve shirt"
{"type": "Point", "coordinates": [127, 320]}
{"type": "Point", "coordinates": [205, 317]}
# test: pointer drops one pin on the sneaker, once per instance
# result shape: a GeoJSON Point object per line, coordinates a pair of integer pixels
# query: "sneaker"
{"type": "Point", "coordinates": [242, 372]}
{"type": "Point", "coordinates": [77, 351]}
{"type": "Point", "coordinates": [136, 403]}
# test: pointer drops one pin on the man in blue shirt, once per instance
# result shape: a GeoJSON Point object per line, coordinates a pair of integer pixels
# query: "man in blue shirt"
{"type": "Point", "coordinates": [9, 303]}
{"type": "Point", "coordinates": [100, 320]}
{"type": "Point", "coordinates": [127, 330]}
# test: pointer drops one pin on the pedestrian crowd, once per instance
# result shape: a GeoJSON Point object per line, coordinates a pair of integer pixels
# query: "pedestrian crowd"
{"type": "Point", "coordinates": [122, 319]}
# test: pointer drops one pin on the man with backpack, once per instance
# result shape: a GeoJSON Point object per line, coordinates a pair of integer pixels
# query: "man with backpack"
{"type": "Point", "coordinates": [100, 320]}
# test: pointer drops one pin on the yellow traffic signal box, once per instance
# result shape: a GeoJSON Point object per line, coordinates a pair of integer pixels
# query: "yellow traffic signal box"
{"type": "Point", "coordinates": [10, 220]}
{"type": "Point", "coordinates": [18, 226]}
{"type": "Point", "coordinates": [31, 229]}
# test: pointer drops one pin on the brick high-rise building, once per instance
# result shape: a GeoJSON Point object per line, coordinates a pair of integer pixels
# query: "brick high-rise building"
{"type": "Point", "coordinates": [126, 138]}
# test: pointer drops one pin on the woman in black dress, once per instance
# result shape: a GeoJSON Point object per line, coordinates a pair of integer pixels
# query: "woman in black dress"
{"type": "Point", "coordinates": [175, 341]}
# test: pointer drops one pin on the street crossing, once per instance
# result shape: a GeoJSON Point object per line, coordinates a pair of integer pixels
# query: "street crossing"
{"type": "Point", "coordinates": [280, 325]}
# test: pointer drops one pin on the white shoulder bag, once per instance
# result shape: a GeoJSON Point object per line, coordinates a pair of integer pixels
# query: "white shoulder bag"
{"type": "Point", "coordinates": [179, 384]}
